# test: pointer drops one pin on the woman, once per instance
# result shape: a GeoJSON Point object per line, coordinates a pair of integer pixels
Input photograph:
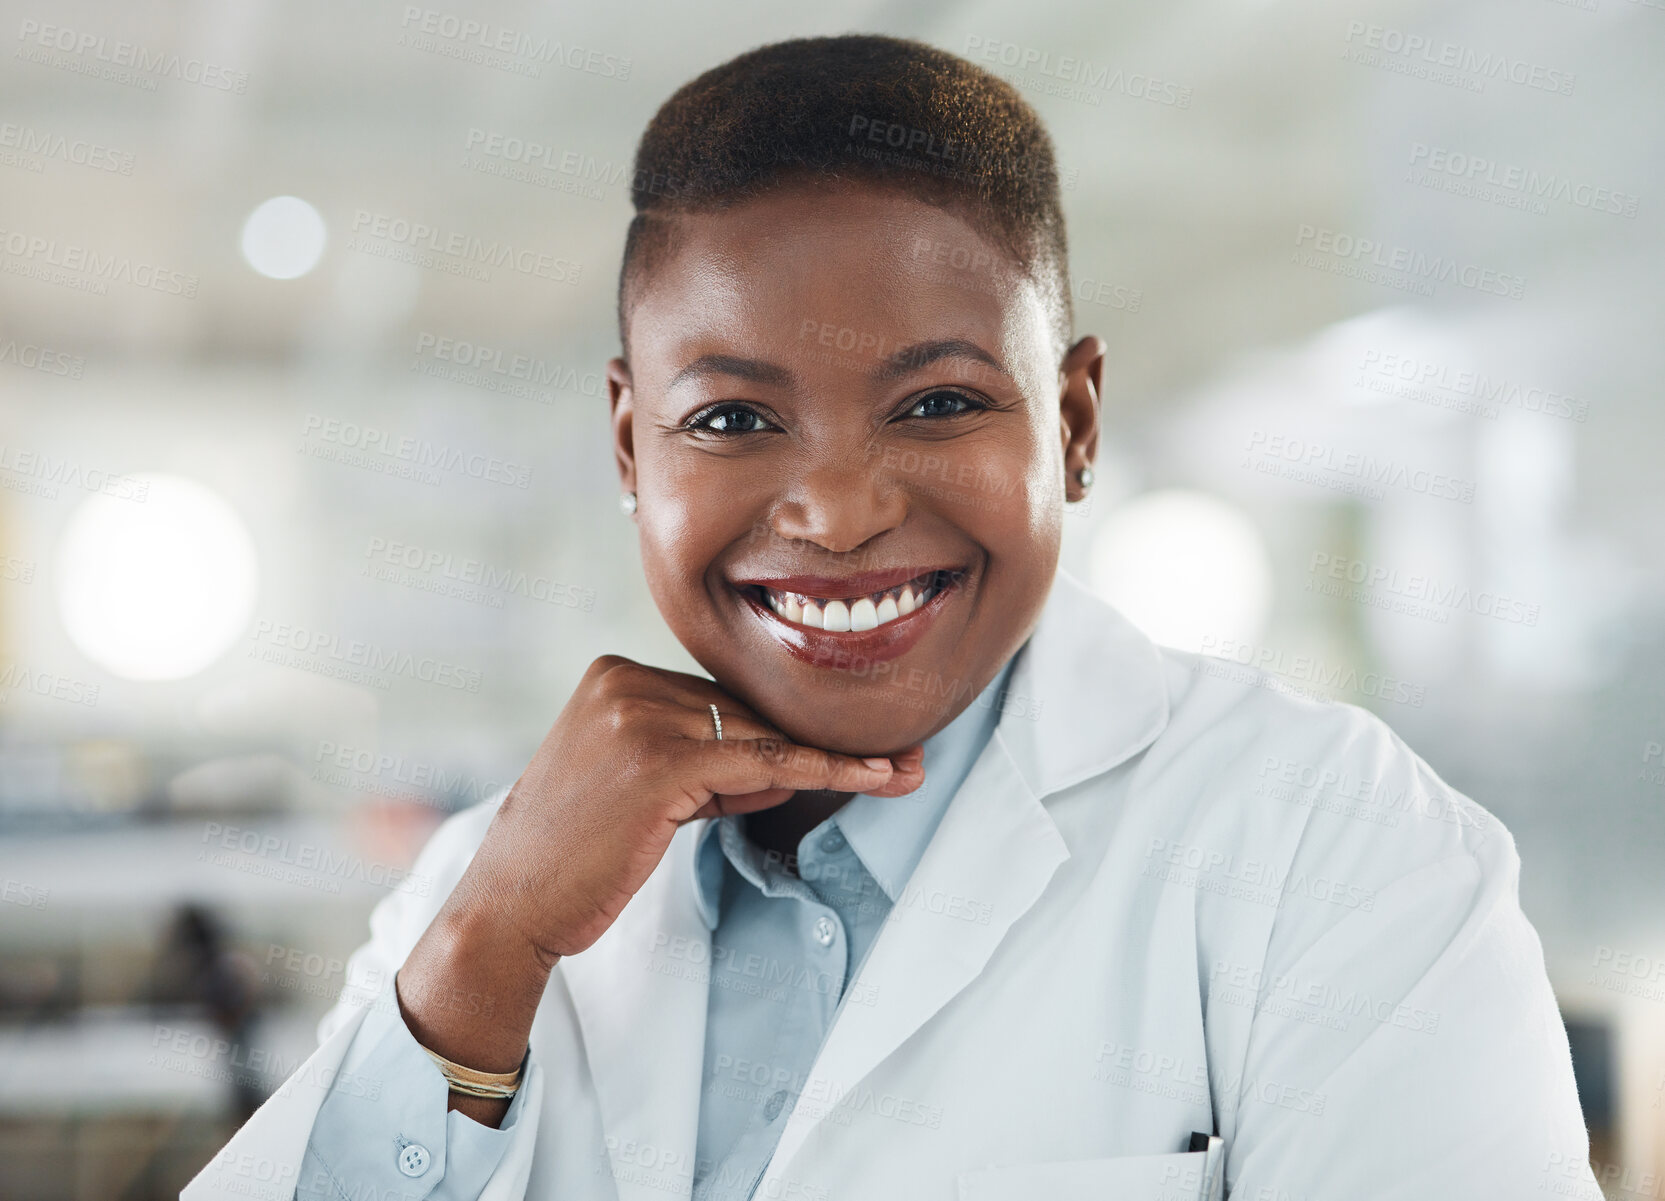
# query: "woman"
{"type": "Point", "coordinates": [948, 883]}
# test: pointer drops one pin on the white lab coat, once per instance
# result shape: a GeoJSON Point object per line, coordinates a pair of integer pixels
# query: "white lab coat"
{"type": "Point", "coordinates": [1170, 897]}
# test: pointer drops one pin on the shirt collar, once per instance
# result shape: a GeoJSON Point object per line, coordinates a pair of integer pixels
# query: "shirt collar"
{"type": "Point", "coordinates": [888, 834]}
{"type": "Point", "coordinates": [1089, 693]}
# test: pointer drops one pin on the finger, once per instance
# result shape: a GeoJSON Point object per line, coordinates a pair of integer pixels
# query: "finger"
{"type": "Point", "coordinates": [903, 780]}
{"type": "Point", "coordinates": [740, 720]}
{"type": "Point", "coordinates": [737, 767]}
{"type": "Point", "coordinates": [908, 774]}
{"type": "Point", "coordinates": [725, 805]}
{"type": "Point", "coordinates": [739, 724]}
{"type": "Point", "coordinates": [914, 754]}
{"type": "Point", "coordinates": [901, 783]}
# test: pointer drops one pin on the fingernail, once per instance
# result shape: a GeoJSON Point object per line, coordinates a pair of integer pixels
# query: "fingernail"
{"type": "Point", "coordinates": [878, 764]}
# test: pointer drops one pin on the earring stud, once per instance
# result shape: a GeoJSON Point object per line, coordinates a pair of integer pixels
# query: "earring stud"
{"type": "Point", "coordinates": [627, 502]}
{"type": "Point", "coordinates": [1085, 477]}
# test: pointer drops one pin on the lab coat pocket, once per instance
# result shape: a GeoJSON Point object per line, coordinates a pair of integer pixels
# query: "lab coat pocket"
{"type": "Point", "coordinates": [1180, 1177]}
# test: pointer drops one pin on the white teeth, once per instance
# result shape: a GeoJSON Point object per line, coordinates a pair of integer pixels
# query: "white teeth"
{"type": "Point", "coordinates": [839, 616]}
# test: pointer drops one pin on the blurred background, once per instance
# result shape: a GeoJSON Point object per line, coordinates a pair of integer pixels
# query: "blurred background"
{"type": "Point", "coordinates": [308, 527]}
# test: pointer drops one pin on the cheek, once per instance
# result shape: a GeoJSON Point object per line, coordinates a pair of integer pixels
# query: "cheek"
{"type": "Point", "coordinates": [688, 515]}
{"type": "Point", "coordinates": [1044, 489]}
{"type": "Point", "coordinates": [1016, 500]}
{"type": "Point", "coordinates": [672, 517]}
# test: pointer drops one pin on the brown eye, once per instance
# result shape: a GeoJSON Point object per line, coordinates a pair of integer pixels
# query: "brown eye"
{"type": "Point", "coordinates": [942, 404]}
{"type": "Point", "coordinates": [729, 420]}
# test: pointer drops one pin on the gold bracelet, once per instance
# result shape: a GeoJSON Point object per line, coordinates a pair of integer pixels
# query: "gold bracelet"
{"type": "Point", "coordinates": [496, 1085]}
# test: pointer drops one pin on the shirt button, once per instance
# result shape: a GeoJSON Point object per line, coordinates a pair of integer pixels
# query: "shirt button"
{"type": "Point", "coordinates": [413, 1159]}
{"type": "Point", "coordinates": [773, 1106]}
{"type": "Point", "coordinates": [824, 930]}
{"type": "Point", "coordinates": [833, 842]}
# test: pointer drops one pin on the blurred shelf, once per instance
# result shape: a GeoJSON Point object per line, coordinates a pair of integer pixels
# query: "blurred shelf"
{"type": "Point", "coordinates": [121, 1060]}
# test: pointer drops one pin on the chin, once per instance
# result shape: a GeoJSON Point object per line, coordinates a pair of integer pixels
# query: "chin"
{"type": "Point", "coordinates": [854, 716]}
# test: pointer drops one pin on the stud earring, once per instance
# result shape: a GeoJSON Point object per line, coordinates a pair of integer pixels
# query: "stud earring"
{"type": "Point", "coordinates": [627, 502]}
{"type": "Point", "coordinates": [1085, 477]}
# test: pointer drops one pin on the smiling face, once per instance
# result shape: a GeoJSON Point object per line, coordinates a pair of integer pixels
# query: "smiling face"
{"type": "Point", "coordinates": [848, 433]}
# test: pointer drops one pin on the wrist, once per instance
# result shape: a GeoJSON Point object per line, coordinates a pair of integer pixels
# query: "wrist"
{"type": "Point", "coordinates": [470, 988]}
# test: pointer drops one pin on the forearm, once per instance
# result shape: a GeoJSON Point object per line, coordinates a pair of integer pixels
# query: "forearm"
{"type": "Point", "coordinates": [469, 991]}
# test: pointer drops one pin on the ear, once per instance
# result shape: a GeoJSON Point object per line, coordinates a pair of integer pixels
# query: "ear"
{"type": "Point", "coordinates": [621, 404]}
{"type": "Point", "coordinates": [1080, 377]}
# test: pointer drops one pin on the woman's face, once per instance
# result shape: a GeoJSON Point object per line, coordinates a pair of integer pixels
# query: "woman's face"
{"type": "Point", "coordinates": [848, 434]}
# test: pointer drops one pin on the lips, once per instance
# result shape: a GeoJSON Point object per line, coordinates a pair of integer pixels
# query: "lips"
{"type": "Point", "coordinates": [839, 613]}
{"type": "Point", "coordinates": [831, 622]}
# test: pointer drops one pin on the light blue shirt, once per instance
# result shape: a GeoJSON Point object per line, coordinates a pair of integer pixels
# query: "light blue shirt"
{"type": "Point", "coordinates": [785, 949]}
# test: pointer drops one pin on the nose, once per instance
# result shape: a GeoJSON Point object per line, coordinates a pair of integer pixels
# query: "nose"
{"type": "Point", "coordinates": [839, 502]}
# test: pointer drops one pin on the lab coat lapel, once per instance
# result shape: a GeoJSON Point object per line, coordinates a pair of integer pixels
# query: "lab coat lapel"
{"type": "Point", "coordinates": [1088, 692]}
{"type": "Point", "coordinates": [641, 993]}
{"type": "Point", "coordinates": [985, 867]}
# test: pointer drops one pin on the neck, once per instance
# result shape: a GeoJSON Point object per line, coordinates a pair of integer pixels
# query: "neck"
{"type": "Point", "coordinates": [781, 828]}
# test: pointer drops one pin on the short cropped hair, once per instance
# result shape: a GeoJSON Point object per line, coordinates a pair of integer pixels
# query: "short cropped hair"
{"type": "Point", "coordinates": [880, 110]}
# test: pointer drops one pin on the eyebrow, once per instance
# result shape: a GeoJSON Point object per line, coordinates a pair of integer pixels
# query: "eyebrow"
{"type": "Point", "coordinates": [922, 354]}
{"type": "Point", "coordinates": [902, 363]}
{"type": "Point", "coordinates": [755, 370]}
